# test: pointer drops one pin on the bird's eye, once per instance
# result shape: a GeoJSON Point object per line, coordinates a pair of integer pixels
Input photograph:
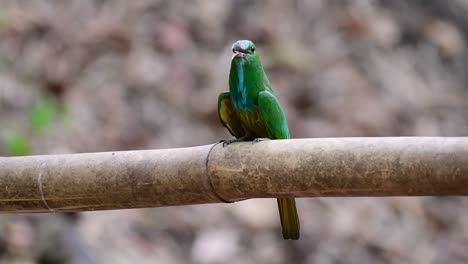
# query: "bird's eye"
{"type": "Point", "coordinates": [233, 50]}
{"type": "Point", "coordinates": [252, 49]}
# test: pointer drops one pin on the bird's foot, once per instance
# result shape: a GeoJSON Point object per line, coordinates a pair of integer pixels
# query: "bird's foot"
{"type": "Point", "coordinates": [259, 140]}
{"type": "Point", "coordinates": [226, 142]}
{"type": "Point", "coordinates": [230, 141]}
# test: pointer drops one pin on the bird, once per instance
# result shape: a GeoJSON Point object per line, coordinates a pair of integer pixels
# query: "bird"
{"type": "Point", "coordinates": [251, 112]}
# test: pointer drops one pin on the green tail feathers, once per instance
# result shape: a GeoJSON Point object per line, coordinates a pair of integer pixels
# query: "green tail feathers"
{"type": "Point", "coordinates": [289, 218]}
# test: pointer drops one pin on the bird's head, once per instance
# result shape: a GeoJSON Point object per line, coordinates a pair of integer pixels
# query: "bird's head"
{"type": "Point", "coordinates": [243, 49]}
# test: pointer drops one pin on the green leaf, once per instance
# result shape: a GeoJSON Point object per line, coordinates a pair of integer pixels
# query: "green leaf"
{"type": "Point", "coordinates": [17, 144]}
{"type": "Point", "coordinates": [43, 113]}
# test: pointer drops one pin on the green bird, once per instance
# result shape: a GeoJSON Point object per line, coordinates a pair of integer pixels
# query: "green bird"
{"type": "Point", "coordinates": [250, 111]}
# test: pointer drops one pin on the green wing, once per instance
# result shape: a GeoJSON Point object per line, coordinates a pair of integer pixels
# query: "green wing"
{"type": "Point", "coordinates": [273, 115]}
{"type": "Point", "coordinates": [228, 117]}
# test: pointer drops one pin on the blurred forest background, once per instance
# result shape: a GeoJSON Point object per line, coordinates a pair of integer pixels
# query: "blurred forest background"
{"type": "Point", "coordinates": [84, 76]}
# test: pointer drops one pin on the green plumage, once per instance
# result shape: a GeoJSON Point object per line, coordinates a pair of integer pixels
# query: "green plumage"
{"type": "Point", "coordinates": [250, 110]}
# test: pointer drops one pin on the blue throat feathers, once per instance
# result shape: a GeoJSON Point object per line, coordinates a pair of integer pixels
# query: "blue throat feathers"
{"type": "Point", "coordinates": [241, 99]}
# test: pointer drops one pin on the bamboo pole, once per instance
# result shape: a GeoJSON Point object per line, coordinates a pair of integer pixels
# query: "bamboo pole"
{"type": "Point", "coordinates": [406, 166]}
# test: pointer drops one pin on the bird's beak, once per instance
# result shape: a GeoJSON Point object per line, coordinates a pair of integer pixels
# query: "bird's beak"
{"type": "Point", "coordinates": [238, 51]}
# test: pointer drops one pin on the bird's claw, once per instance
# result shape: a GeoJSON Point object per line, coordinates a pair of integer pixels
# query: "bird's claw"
{"type": "Point", "coordinates": [226, 142]}
{"type": "Point", "coordinates": [259, 140]}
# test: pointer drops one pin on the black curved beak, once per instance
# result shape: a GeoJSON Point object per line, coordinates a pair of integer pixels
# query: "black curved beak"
{"type": "Point", "coordinates": [238, 49]}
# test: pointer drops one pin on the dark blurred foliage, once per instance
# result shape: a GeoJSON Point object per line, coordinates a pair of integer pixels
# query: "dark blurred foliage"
{"type": "Point", "coordinates": [146, 74]}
